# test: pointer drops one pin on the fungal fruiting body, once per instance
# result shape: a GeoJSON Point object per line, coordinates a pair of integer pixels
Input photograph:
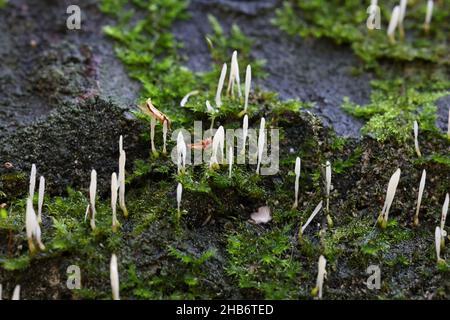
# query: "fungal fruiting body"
{"type": "Point", "coordinates": [393, 23]}
{"type": "Point", "coordinates": [438, 244]}
{"type": "Point", "coordinates": [16, 293]}
{"type": "Point", "coordinates": [150, 110]}
{"type": "Point", "coordinates": [390, 193]}
{"type": "Point", "coordinates": [234, 76]}
{"type": "Point", "coordinates": [416, 139]}
{"type": "Point", "coordinates": [32, 180]}
{"type": "Point", "coordinates": [448, 125]}
{"type": "Point", "coordinates": [152, 135]}
{"type": "Point", "coordinates": [165, 129]}
{"type": "Point", "coordinates": [419, 198]}
{"type": "Point", "coordinates": [114, 189]}
{"type": "Point", "coordinates": [321, 274]}
{"type": "Point", "coordinates": [297, 180]}
{"type": "Point", "coordinates": [122, 161]}
{"type": "Point", "coordinates": [114, 277]}
{"type": "Point", "coordinates": [179, 195]}
{"type": "Point", "coordinates": [261, 142]}
{"type": "Point", "coordinates": [230, 162]}
{"type": "Point", "coordinates": [328, 190]}
{"type": "Point", "coordinates": [443, 218]}
{"type": "Point", "coordinates": [223, 74]}
{"type": "Point", "coordinates": [32, 228]}
{"type": "Point", "coordinates": [401, 17]}
{"type": "Point", "coordinates": [244, 133]}
{"type": "Point", "coordinates": [217, 144]}
{"type": "Point", "coordinates": [187, 96]}
{"type": "Point", "coordinates": [181, 153]}
{"type": "Point", "coordinates": [263, 215]}
{"type": "Point", "coordinates": [248, 83]}
{"type": "Point", "coordinates": [311, 217]}
{"type": "Point", "coordinates": [92, 195]}
{"type": "Point", "coordinates": [428, 16]}
{"type": "Point", "coordinates": [41, 198]}
{"type": "Point", "coordinates": [1, 293]}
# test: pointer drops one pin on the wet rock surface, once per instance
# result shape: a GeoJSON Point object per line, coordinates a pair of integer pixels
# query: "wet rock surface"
{"type": "Point", "coordinates": [311, 70]}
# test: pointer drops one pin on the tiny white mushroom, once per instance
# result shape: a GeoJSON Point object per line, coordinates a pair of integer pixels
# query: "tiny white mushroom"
{"type": "Point", "coordinates": [321, 274]}
{"type": "Point", "coordinates": [444, 218]}
{"type": "Point", "coordinates": [165, 129]}
{"type": "Point", "coordinates": [181, 153]}
{"type": "Point", "coordinates": [187, 96]}
{"type": "Point", "coordinates": [32, 180]}
{"type": "Point", "coordinates": [429, 14]}
{"type": "Point", "coordinates": [311, 217]}
{"type": "Point", "coordinates": [244, 133]}
{"type": "Point", "coordinates": [41, 198]}
{"type": "Point", "coordinates": [122, 162]}
{"type": "Point", "coordinates": [179, 195]}
{"type": "Point", "coordinates": [390, 193]}
{"type": "Point", "coordinates": [217, 145]}
{"type": "Point", "coordinates": [416, 139]}
{"type": "Point", "coordinates": [419, 199]}
{"type": "Point", "coordinates": [230, 161]}
{"type": "Point", "coordinates": [261, 142]}
{"type": "Point", "coordinates": [328, 183]}
{"type": "Point", "coordinates": [114, 189]}
{"type": "Point", "coordinates": [437, 242]}
{"type": "Point", "coordinates": [92, 195]}
{"type": "Point", "coordinates": [448, 125]}
{"type": "Point", "coordinates": [248, 83]}
{"type": "Point", "coordinates": [393, 23]}
{"type": "Point", "coordinates": [16, 293]}
{"type": "Point", "coordinates": [152, 134]}
{"type": "Point", "coordinates": [223, 74]}
{"type": "Point", "coordinates": [263, 215]}
{"type": "Point", "coordinates": [114, 277]}
{"type": "Point", "coordinates": [297, 180]}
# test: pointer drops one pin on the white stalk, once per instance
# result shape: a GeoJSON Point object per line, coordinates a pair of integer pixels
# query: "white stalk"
{"type": "Point", "coordinates": [16, 293]}
{"type": "Point", "coordinates": [114, 277]}
{"type": "Point", "coordinates": [328, 183]}
{"type": "Point", "coordinates": [261, 141]}
{"type": "Point", "coordinates": [218, 143]}
{"type": "Point", "coordinates": [321, 275]}
{"type": "Point", "coordinates": [244, 133]}
{"type": "Point", "coordinates": [209, 107]}
{"type": "Point", "coordinates": [30, 225]}
{"type": "Point", "coordinates": [374, 2]}
{"type": "Point", "coordinates": [165, 129]}
{"type": "Point", "coordinates": [448, 125]}
{"type": "Point", "coordinates": [297, 180]}
{"type": "Point", "coordinates": [179, 195]}
{"type": "Point", "coordinates": [390, 193]}
{"type": "Point", "coordinates": [401, 18]}
{"type": "Point", "coordinates": [114, 189]}
{"type": "Point", "coordinates": [437, 239]}
{"type": "Point", "coordinates": [444, 216]}
{"type": "Point", "coordinates": [187, 96]}
{"type": "Point", "coordinates": [311, 217]}
{"type": "Point", "coordinates": [41, 198]}
{"type": "Point", "coordinates": [248, 83]}
{"type": "Point", "coordinates": [122, 162]}
{"type": "Point", "coordinates": [181, 152]}
{"type": "Point", "coordinates": [230, 161]}
{"type": "Point", "coordinates": [223, 74]}
{"type": "Point", "coordinates": [393, 23]}
{"type": "Point", "coordinates": [416, 139]}
{"type": "Point", "coordinates": [32, 180]}
{"type": "Point", "coordinates": [120, 143]}
{"type": "Point", "coordinates": [419, 199]}
{"type": "Point", "coordinates": [1, 293]}
{"type": "Point", "coordinates": [429, 14]}
{"type": "Point", "coordinates": [92, 195]}
{"type": "Point", "coordinates": [152, 134]}
{"type": "Point", "coordinates": [234, 75]}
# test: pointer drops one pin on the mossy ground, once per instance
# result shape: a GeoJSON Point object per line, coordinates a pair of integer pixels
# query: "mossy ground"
{"type": "Point", "coordinates": [213, 250]}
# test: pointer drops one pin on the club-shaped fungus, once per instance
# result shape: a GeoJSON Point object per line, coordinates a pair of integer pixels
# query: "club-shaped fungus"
{"type": "Point", "coordinates": [165, 130]}
{"type": "Point", "coordinates": [234, 76]}
{"type": "Point", "coordinates": [244, 133]}
{"type": "Point", "coordinates": [149, 109]}
{"type": "Point", "coordinates": [328, 190]}
{"type": "Point", "coordinates": [443, 218]}
{"type": "Point", "coordinates": [33, 229]}
{"type": "Point", "coordinates": [390, 193]}
{"type": "Point", "coordinates": [311, 217]}
{"type": "Point", "coordinates": [114, 190]}
{"type": "Point", "coordinates": [321, 275]}
{"type": "Point", "coordinates": [416, 139]}
{"type": "Point", "coordinates": [1, 293]}
{"type": "Point", "coordinates": [248, 84]}
{"type": "Point", "coordinates": [41, 198]}
{"type": "Point", "coordinates": [419, 198]}
{"type": "Point", "coordinates": [152, 135]}
{"type": "Point", "coordinates": [122, 162]}
{"type": "Point", "coordinates": [187, 96]}
{"type": "Point", "coordinates": [401, 18]}
{"type": "Point", "coordinates": [393, 23]}
{"type": "Point", "coordinates": [448, 124]}
{"type": "Point", "coordinates": [230, 161]}
{"type": "Point", "coordinates": [114, 277]}
{"type": "Point", "coordinates": [438, 244]}
{"type": "Point", "coordinates": [32, 180]}
{"type": "Point", "coordinates": [217, 145]}
{"type": "Point", "coordinates": [261, 142]}
{"type": "Point", "coordinates": [179, 195]}
{"type": "Point", "coordinates": [263, 215]}
{"type": "Point", "coordinates": [92, 195]}
{"type": "Point", "coordinates": [297, 181]}
{"type": "Point", "coordinates": [223, 74]}
{"type": "Point", "coordinates": [181, 153]}
{"type": "Point", "coordinates": [16, 293]}
{"type": "Point", "coordinates": [428, 15]}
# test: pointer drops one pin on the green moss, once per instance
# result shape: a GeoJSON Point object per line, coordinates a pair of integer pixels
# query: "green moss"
{"type": "Point", "coordinates": [3, 3]}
